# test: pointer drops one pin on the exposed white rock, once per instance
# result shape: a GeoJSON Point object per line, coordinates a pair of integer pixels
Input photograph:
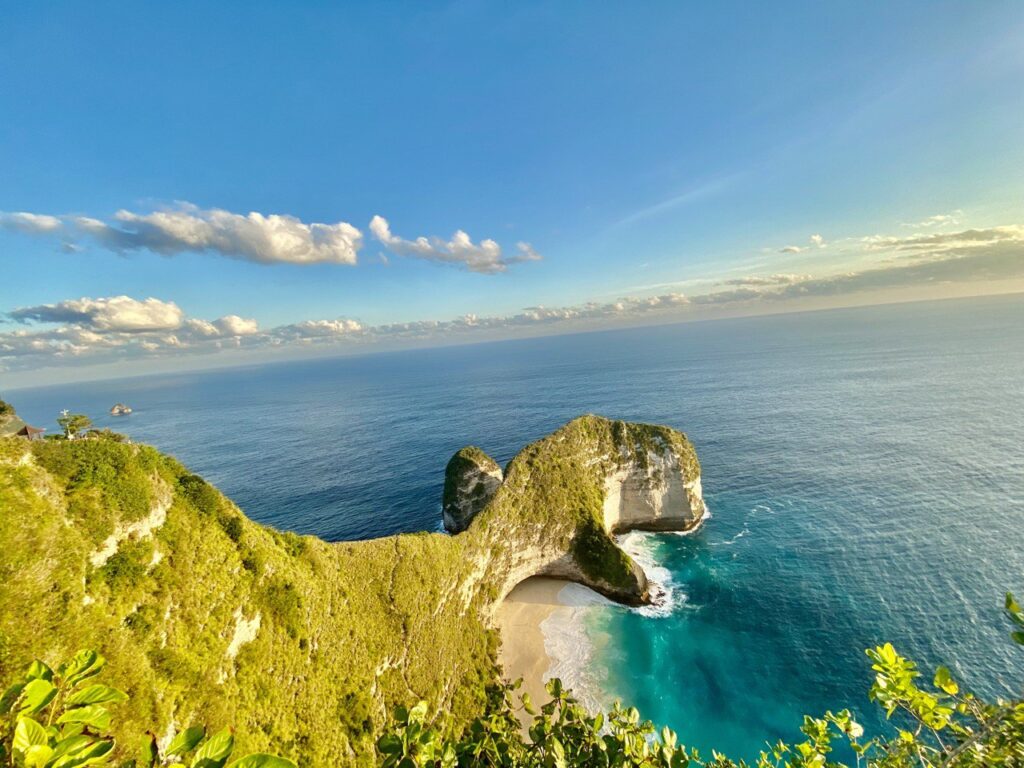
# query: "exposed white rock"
{"type": "Point", "coordinates": [140, 528]}
{"type": "Point", "coordinates": [245, 632]}
{"type": "Point", "coordinates": [653, 495]}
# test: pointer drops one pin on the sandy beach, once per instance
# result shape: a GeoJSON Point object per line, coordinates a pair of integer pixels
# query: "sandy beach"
{"type": "Point", "coordinates": [520, 619]}
{"type": "Point", "coordinates": [543, 636]}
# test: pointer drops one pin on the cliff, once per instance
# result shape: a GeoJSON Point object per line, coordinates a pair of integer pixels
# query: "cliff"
{"type": "Point", "coordinates": [303, 645]}
{"type": "Point", "coordinates": [564, 497]}
{"type": "Point", "coordinates": [10, 423]}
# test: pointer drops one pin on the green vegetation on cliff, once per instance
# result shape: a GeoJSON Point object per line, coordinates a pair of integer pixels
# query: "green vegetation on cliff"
{"type": "Point", "coordinates": [206, 616]}
{"type": "Point", "coordinates": [304, 646]}
{"type": "Point", "coordinates": [554, 491]}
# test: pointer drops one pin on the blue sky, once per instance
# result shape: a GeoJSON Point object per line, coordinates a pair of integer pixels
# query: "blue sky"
{"type": "Point", "coordinates": [642, 150]}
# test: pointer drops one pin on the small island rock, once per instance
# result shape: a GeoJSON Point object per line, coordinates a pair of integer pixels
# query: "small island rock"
{"type": "Point", "coordinates": [470, 481]}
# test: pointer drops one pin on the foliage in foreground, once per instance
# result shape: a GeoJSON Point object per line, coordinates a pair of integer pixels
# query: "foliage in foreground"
{"type": "Point", "coordinates": [936, 726]}
{"type": "Point", "coordinates": [61, 719]}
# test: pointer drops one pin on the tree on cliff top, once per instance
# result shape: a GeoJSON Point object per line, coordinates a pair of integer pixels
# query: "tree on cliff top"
{"type": "Point", "coordinates": [74, 423]}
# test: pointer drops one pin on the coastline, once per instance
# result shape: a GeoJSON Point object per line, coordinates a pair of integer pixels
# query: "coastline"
{"type": "Point", "coordinates": [543, 636]}
{"type": "Point", "coordinates": [520, 619]}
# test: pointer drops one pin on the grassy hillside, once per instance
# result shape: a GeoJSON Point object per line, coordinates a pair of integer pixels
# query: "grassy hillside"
{"type": "Point", "coordinates": [346, 631]}
{"type": "Point", "coordinates": [302, 645]}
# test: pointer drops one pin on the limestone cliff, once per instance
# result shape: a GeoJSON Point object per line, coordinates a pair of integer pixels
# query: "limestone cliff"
{"type": "Point", "coordinates": [303, 645]}
{"type": "Point", "coordinates": [563, 498]}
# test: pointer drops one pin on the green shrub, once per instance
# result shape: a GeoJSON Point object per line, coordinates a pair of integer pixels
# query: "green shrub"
{"type": "Point", "coordinates": [203, 496]}
{"type": "Point", "coordinates": [232, 525]}
{"type": "Point", "coordinates": [937, 726]}
{"type": "Point", "coordinates": [282, 600]}
{"type": "Point", "coordinates": [62, 719]}
{"type": "Point", "coordinates": [128, 565]}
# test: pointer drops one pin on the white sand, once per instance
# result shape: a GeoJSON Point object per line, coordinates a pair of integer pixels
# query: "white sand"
{"type": "Point", "coordinates": [520, 619]}
{"type": "Point", "coordinates": [542, 636]}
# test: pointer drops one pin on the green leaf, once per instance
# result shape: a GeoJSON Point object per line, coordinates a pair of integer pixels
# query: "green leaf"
{"type": "Point", "coordinates": [558, 752]}
{"type": "Point", "coordinates": [528, 704]}
{"type": "Point", "coordinates": [28, 733]}
{"type": "Point", "coordinates": [10, 696]}
{"type": "Point", "coordinates": [1018, 637]}
{"type": "Point", "coordinates": [149, 755]}
{"type": "Point", "coordinates": [418, 713]}
{"type": "Point", "coordinates": [215, 751]}
{"type": "Point", "coordinates": [37, 755]}
{"type": "Point", "coordinates": [94, 752]}
{"type": "Point", "coordinates": [944, 681]}
{"type": "Point", "coordinates": [72, 745]}
{"type": "Point", "coordinates": [36, 695]}
{"type": "Point", "coordinates": [1011, 605]}
{"type": "Point", "coordinates": [94, 716]}
{"type": "Point", "coordinates": [81, 666]}
{"type": "Point", "coordinates": [37, 670]}
{"type": "Point", "coordinates": [185, 741]}
{"type": "Point", "coordinates": [96, 694]}
{"type": "Point", "coordinates": [389, 744]}
{"type": "Point", "coordinates": [260, 760]}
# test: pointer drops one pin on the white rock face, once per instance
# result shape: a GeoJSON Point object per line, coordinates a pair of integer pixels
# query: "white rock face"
{"type": "Point", "coordinates": [654, 495]}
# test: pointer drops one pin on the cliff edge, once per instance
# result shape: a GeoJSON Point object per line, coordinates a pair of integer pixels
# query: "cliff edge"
{"type": "Point", "coordinates": [306, 646]}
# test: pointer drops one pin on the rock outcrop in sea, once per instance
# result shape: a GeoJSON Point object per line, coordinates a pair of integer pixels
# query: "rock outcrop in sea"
{"type": "Point", "coordinates": [470, 482]}
{"type": "Point", "coordinates": [563, 498]}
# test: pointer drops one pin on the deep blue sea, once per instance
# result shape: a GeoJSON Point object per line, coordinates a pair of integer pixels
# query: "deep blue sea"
{"type": "Point", "coordinates": [864, 469]}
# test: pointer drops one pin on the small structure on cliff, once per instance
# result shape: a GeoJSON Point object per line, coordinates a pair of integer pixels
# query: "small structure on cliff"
{"type": "Point", "coordinates": [11, 425]}
{"type": "Point", "coordinates": [31, 433]}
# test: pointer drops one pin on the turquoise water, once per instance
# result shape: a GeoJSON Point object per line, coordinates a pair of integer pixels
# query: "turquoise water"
{"type": "Point", "coordinates": [864, 469]}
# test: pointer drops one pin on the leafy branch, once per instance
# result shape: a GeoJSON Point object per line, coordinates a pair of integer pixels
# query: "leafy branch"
{"type": "Point", "coordinates": [61, 719]}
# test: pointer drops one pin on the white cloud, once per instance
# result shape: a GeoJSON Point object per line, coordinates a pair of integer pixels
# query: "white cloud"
{"type": "Point", "coordinates": [939, 220]}
{"type": "Point", "coordinates": [118, 325]}
{"type": "Point", "coordinates": [484, 257]}
{"type": "Point", "coordinates": [118, 314]}
{"type": "Point", "coordinates": [761, 280]}
{"type": "Point", "coordinates": [939, 242]}
{"type": "Point", "coordinates": [29, 223]}
{"type": "Point", "coordinates": [259, 238]}
{"type": "Point", "coordinates": [317, 329]}
{"type": "Point", "coordinates": [271, 239]}
{"type": "Point", "coordinates": [990, 257]}
{"type": "Point", "coordinates": [817, 241]}
{"type": "Point", "coordinates": [103, 329]}
{"type": "Point", "coordinates": [233, 325]}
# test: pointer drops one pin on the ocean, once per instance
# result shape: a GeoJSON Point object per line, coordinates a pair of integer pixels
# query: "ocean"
{"type": "Point", "coordinates": [864, 469]}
